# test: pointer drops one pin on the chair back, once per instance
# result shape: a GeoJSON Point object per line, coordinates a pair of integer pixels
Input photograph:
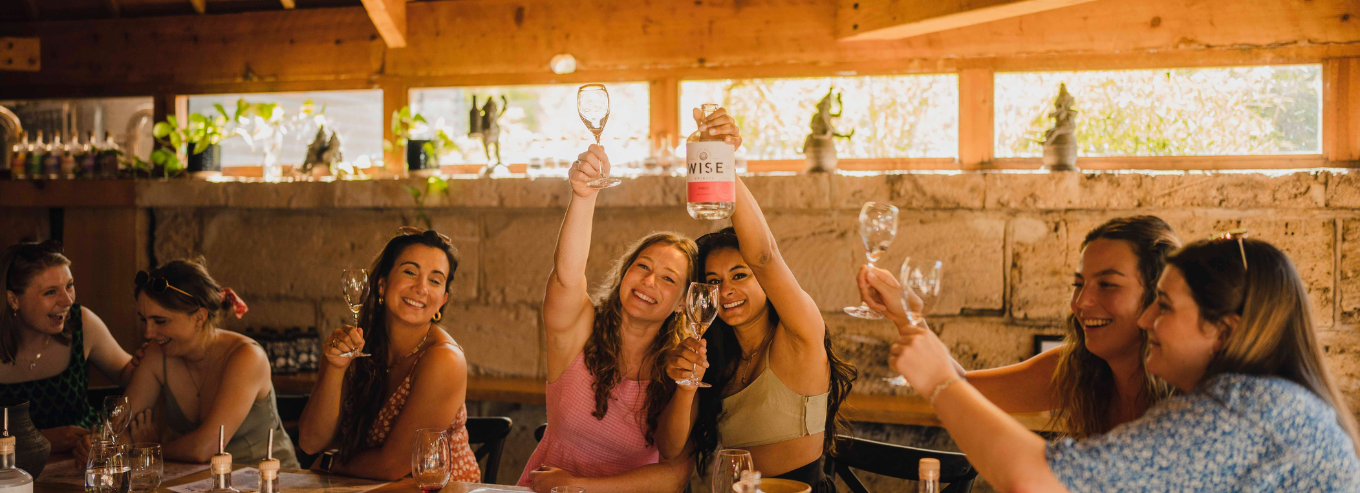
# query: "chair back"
{"type": "Point", "coordinates": [490, 432]}
{"type": "Point", "coordinates": [538, 432]}
{"type": "Point", "coordinates": [898, 461]}
{"type": "Point", "coordinates": [290, 408]}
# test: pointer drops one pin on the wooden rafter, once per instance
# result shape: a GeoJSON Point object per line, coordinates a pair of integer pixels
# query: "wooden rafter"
{"type": "Point", "coordinates": [32, 9]}
{"type": "Point", "coordinates": [114, 9]}
{"type": "Point", "coordinates": [288, 4]}
{"type": "Point", "coordinates": [200, 6]}
{"type": "Point", "coordinates": [389, 16]}
{"type": "Point", "coordinates": [896, 19]}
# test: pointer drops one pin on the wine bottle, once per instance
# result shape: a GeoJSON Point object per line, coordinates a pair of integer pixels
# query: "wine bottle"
{"type": "Point", "coordinates": [928, 479]}
{"type": "Point", "coordinates": [68, 157]}
{"type": "Point", "coordinates": [52, 161]}
{"type": "Point", "coordinates": [19, 159]}
{"type": "Point", "coordinates": [89, 158]}
{"type": "Point", "coordinates": [12, 479]}
{"type": "Point", "coordinates": [36, 153]}
{"type": "Point", "coordinates": [712, 174]}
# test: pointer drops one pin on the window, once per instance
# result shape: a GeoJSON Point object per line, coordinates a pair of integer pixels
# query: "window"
{"type": "Point", "coordinates": [1174, 112]}
{"type": "Point", "coordinates": [898, 116]}
{"type": "Point", "coordinates": [354, 115]}
{"type": "Point", "coordinates": [127, 120]}
{"type": "Point", "coordinates": [539, 122]}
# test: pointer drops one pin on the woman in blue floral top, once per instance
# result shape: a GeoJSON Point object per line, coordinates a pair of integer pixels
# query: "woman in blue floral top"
{"type": "Point", "coordinates": [1231, 329]}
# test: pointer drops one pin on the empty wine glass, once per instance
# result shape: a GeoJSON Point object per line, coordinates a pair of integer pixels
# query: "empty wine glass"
{"type": "Point", "coordinates": [354, 282]}
{"type": "Point", "coordinates": [430, 459]}
{"type": "Point", "coordinates": [592, 103]}
{"type": "Point", "coordinates": [107, 470]}
{"type": "Point", "coordinates": [148, 467]}
{"type": "Point", "coordinates": [701, 307]}
{"type": "Point", "coordinates": [877, 227]}
{"type": "Point", "coordinates": [920, 280]}
{"type": "Point", "coordinates": [727, 468]}
{"type": "Point", "coordinates": [117, 414]}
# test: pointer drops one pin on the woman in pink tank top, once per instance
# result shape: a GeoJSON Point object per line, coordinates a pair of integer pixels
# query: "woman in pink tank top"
{"type": "Point", "coordinates": [606, 356]}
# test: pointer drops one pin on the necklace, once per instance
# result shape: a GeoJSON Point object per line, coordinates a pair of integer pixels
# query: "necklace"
{"type": "Point", "coordinates": [34, 363]}
{"type": "Point", "coordinates": [413, 350]}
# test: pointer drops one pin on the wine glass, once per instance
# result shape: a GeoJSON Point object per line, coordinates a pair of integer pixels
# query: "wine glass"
{"type": "Point", "coordinates": [117, 414]}
{"type": "Point", "coordinates": [920, 280]}
{"type": "Point", "coordinates": [568, 489]}
{"type": "Point", "coordinates": [877, 227]}
{"type": "Point", "coordinates": [148, 467]}
{"type": "Point", "coordinates": [727, 468]}
{"type": "Point", "coordinates": [107, 470]}
{"type": "Point", "coordinates": [592, 103]}
{"type": "Point", "coordinates": [701, 307]}
{"type": "Point", "coordinates": [430, 459]}
{"type": "Point", "coordinates": [354, 282]}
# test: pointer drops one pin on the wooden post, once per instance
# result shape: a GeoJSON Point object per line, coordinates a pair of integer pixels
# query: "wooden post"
{"type": "Point", "coordinates": [665, 112]}
{"type": "Point", "coordinates": [1341, 110]}
{"type": "Point", "coordinates": [396, 94]}
{"type": "Point", "coordinates": [976, 117]}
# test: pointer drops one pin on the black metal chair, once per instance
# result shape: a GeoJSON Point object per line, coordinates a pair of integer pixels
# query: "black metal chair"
{"type": "Point", "coordinates": [490, 432]}
{"type": "Point", "coordinates": [538, 432]}
{"type": "Point", "coordinates": [898, 461]}
{"type": "Point", "coordinates": [290, 411]}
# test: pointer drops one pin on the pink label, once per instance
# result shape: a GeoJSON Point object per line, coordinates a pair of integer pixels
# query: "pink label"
{"type": "Point", "coordinates": [712, 191]}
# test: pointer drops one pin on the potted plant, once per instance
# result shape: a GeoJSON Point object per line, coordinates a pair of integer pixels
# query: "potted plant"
{"type": "Point", "coordinates": [200, 139]}
{"type": "Point", "coordinates": [422, 155]}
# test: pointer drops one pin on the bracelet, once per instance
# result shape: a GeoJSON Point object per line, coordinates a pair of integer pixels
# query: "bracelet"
{"type": "Point", "coordinates": [940, 388]}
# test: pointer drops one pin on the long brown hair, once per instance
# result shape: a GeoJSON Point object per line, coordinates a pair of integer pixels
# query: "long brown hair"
{"type": "Point", "coordinates": [366, 379]}
{"type": "Point", "coordinates": [724, 355]}
{"type": "Point", "coordinates": [1275, 336]}
{"type": "Point", "coordinates": [604, 347]}
{"type": "Point", "coordinates": [21, 263]}
{"type": "Point", "coordinates": [1084, 388]}
{"type": "Point", "coordinates": [192, 277]}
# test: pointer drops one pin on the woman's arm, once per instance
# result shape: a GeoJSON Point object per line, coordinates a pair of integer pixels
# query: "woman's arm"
{"type": "Point", "coordinates": [667, 476]}
{"type": "Point", "coordinates": [105, 353]}
{"type": "Point", "coordinates": [690, 360]}
{"type": "Point", "coordinates": [566, 303]}
{"type": "Point", "coordinates": [438, 389]}
{"type": "Point", "coordinates": [246, 371]}
{"type": "Point", "coordinates": [321, 415]}
{"type": "Point", "coordinates": [798, 313]}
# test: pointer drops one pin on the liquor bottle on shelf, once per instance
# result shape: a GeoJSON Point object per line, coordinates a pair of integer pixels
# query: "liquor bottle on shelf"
{"type": "Point", "coordinates": [221, 466]}
{"type": "Point", "coordinates": [928, 478]}
{"type": "Point", "coordinates": [19, 158]}
{"type": "Point", "coordinates": [712, 174]}
{"type": "Point", "coordinates": [89, 157]}
{"type": "Point", "coordinates": [269, 469]}
{"type": "Point", "coordinates": [12, 479]}
{"type": "Point", "coordinates": [36, 152]}
{"type": "Point", "coordinates": [52, 161]}
{"type": "Point", "coordinates": [108, 157]}
{"type": "Point", "coordinates": [68, 157]}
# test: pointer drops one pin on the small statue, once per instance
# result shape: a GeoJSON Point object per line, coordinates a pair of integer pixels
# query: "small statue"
{"type": "Point", "coordinates": [322, 151]}
{"type": "Point", "coordinates": [819, 147]}
{"type": "Point", "coordinates": [1060, 142]}
{"type": "Point", "coordinates": [483, 124]}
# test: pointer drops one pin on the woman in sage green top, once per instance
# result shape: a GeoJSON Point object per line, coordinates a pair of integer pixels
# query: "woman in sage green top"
{"type": "Point", "coordinates": [210, 377]}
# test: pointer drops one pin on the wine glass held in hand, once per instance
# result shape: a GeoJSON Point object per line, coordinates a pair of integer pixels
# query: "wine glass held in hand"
{"type": "Point", "coordinates": [431, 460]}
{"type": "Point", "coordinates": [354, 282]}
{"type": "Point", "coordinates": [877, 227]}
{"type": "Point", "coordinates": [701, 307]}
{"type": "Point", "coordinates": [592, 103]}
{"type": "Point", "coordinates": [920, 281]}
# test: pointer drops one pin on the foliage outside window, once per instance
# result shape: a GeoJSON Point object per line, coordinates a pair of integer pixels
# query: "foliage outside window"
{"type": "Point", "coordinates": [355, 115]}
{"type": "Point", "coordinates": [898, 116]}
{"type": "Point", "coordinates": [1170, 112]}
{"type": "Point", "coordinates": [540, 122]}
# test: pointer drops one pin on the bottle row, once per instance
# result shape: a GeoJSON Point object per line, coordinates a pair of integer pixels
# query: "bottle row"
{"type": "Point", "coordinates": [290, 350]}
{"type": "Point", "coordinates": [63, 158]}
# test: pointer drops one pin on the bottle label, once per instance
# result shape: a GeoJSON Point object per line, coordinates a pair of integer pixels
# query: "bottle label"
{"type": "Point", "coordinates": [712, 171]}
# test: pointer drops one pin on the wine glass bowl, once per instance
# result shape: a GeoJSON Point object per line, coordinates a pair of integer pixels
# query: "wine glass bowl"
{"type": "Point", "coordinates": [431, 460]}
{"type": "Point", "coordinates": [701, 307]}
{"type": "Point", "coordinates": [920, 281]}
{"type": "Point", "coordinates": [354, 284]}
{"type": "Point", "coordinates": [117, 414]}
{"type": "Point", "coordinates": [877, 228]}
{"type": "Point", "coordinates": [592, 104]}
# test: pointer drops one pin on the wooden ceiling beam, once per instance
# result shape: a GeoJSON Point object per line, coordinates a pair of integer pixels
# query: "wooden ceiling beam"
{"type": "Point", "coordinates": [114, 9]}
{"type": "Point", "coordinates": [289, 4]}
{"type": "Point", "coordinates": [200, 6]}
{"type": "Point", "coordinates": [389, 16]}
{"type": "Point", "coordinates": [858, 20]}
{"type": "Point", "coordinates": [32, 9]}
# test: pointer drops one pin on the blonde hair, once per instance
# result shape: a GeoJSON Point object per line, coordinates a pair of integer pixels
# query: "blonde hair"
{"type": "Point", "coordinates": [1275, 335]}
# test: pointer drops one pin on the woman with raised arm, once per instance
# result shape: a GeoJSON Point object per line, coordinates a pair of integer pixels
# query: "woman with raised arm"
{"type": "Point", "coordinates": [1097, 379]}
{"type": "Point", "coordinates": [209, 377]}
{"type": "Point", "coordinates": [606, 355]}
{"type": "Point", "coordinates": [40, 310]}
{"type": "Point", "coordinates": [413, 375]}
{"type": "Point", "coordinates": [777, 384]}
{"type": "Point", "coordinates": [1231, 329]}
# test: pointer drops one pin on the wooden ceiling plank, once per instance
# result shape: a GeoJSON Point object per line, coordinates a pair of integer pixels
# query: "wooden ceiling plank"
{"type": "Point", "coordinates": [114, 9]}
{"type": "Point", "coordinates": [858, 20]}
{"type": "Point", "coordinates": [32, 9]}
{"type": "Point", "coordinates": [200, 6]}
{"type": "Point", "coordinates": [289, 4]}
{"type": "Point", "coordinates": [389, 16]}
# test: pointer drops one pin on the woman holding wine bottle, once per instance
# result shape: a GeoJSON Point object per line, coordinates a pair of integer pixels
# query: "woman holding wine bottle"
{"type": "Point", "coordinates": [48, 343]}
{"type": "Point", "coordinates": [777, 384]}
{"type": "Point", "coordinates": [395, 374]}
{"type": "Point", "coordinates": [1231, 329]}
{"type": "Point", "coordinates": [606, 355]}
{"type": "Point", "coordinates": [208, 376]}
{"type": "Point", "coordinates": [1097, 379]}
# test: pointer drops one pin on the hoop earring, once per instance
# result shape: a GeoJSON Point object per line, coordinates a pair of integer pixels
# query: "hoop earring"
{"type": "Point", "coordinates": [438, 315]}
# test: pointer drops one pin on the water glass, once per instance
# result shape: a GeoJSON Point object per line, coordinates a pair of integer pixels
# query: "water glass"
{"type": "Point", "coordinates": [727, 468]}
{"type": "Point", "coordinates": [107, 470]}
{"type": "Point", "coordinates": [430, 459]}
{"type": "Point", "coordinates": [148, 468]}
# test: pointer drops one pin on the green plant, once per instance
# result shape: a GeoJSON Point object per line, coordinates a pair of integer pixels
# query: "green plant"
{"type": "Point", "coordinates": [404, 123]}
{"type": "Point", "coordinates": [201, 132]}
{"type": "Point", "coordinates": [432, 186]}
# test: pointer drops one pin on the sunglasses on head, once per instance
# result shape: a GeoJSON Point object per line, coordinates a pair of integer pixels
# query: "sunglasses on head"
{"type": "Point", "coordinates": [1234, 235]}
{"type": "Point", "coordinates": [157, 284]}
{"type": "Point", "coordinates": [414, 231]}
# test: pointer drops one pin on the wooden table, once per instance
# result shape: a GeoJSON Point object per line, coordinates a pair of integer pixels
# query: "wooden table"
{"type": "Point", "coordinates": [407, 485]}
